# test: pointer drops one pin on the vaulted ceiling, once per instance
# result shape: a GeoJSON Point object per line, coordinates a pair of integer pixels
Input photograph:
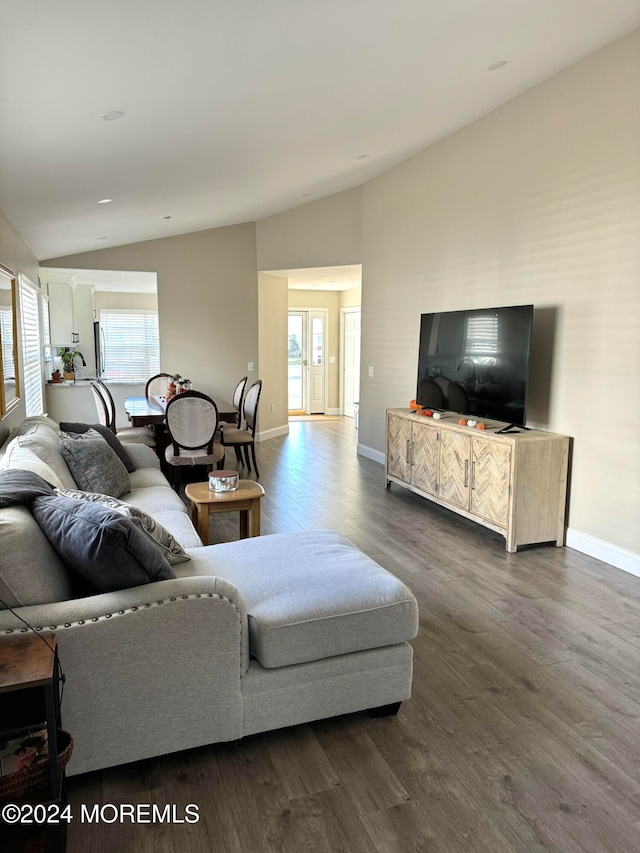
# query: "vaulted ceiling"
{"type": "Point", "coordinates": [232, 111]}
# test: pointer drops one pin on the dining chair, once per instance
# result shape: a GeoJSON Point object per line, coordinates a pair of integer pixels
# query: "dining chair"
{"type": "Point", "coordinates": [245, 438]}
{"type": "Point", "coordinates": [107, 417]}
{"type": "Point", "coordinates": [238, 395]}
{"type": "Point", "coordinates": [192, 421]}
{"type": "Point", "coordinates": [156, 387]}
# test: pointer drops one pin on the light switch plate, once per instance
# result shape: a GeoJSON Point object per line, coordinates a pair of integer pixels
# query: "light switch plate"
{"type": "Point", "coordinates": [251, 366]}
{"type": "Point", "coordinates": [371, 371]}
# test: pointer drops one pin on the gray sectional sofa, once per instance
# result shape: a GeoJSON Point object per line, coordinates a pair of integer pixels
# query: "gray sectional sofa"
{"type": "Point", "coordinates": [248, 636]}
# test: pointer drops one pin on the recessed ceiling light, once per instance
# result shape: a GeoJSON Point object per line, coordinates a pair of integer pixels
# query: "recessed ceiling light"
{"type": "Point", "coordinates": [497, 65]}
{"type": "Point", "coordinates": [166, 217]}
{"type": "Point", "coordinates": [105, 200]}
{"type": "Point", "coordinates": [331, 281]}
{"type": "Point", "coordinates": [305, 195]}
{"type": "Point", "coordinates": [363, 156]}
{"type": "Point", "coordinates": [103, 238]}
{"type": "Point", "coordinates": [114, 115]}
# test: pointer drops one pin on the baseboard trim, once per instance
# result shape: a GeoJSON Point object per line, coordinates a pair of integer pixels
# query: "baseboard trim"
{"type": "Point", "coordinates": [628, 561]}
{"type": "Point", "coordinates": [273, 433]}
{"type": "Point", "coordinates": [370, 453]}
{"type": "Point", "coordinates": [333, 412]}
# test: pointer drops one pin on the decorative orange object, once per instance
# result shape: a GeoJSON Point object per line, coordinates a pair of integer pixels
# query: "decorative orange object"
{"type": "Point", "coordinates": [480, 425]}
{"type": "Point", "coordinates": [413, 405]}
{"type": "Point", "coordinates": [462, 421]}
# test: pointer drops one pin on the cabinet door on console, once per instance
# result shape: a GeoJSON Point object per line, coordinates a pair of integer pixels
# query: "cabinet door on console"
{"type": "Point", "coordinates": [425, 458]}
{"type": "Point", "coordinates": [399, 448]}
{"type": "Point", "coordinates": [454, 468]}
{"type": "Point", "coordinates": [490, 478]}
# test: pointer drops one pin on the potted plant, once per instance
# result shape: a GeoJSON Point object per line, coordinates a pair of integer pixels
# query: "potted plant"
{"type": "Point", "coordinates": [68, 355]}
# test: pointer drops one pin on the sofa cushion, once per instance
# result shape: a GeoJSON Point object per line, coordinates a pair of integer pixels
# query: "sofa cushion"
{"type": "Point", "coordinates": [30, 570]}
{"type": "Point", "coordinates": [16, 457]}
{"type": "Point", "coordinates": [155, 499]}
{"type": "Point", "coordinates": [45, 443]}
{"type": "Point", "coordinates": [94, 465]}
{"type": "Point", "coordinates": [145, 477]}
{"type": "Point", "coordinates": [112, 440]}
{"type": "Point", "coordinates": [170, 547]}
{"type": "Point", "coordinates": [99, 545]}
{"type": "Point", "coordinates": [310, 595]}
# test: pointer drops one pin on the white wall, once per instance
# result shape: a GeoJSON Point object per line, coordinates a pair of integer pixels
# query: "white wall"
{"type": "Point", "coordinates": [536, 203]}
{"type": "Point", "coordinates": [318, 234]}
{"type": "Point", "coordinates": [207, 300]}
{"type": "Point", "coordinates": [272, 310]}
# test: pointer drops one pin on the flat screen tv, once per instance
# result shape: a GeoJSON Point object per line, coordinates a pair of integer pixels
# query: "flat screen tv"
{"type": "Point", "coordinates": [476, 362]}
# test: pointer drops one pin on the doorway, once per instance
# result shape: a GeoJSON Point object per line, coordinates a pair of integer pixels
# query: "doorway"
{"type": "Point", "coordinates": [306, 361]}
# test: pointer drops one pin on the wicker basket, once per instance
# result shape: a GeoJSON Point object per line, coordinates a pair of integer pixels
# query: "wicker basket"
{"type": "Point", "coordinates": [18, 785]}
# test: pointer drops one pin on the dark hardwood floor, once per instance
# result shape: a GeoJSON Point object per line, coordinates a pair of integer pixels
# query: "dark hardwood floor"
{"type": "Point", "coordinates": [523, 731]}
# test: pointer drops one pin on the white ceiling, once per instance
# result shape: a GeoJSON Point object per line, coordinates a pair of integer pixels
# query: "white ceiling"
{"type": "Point", "coordinates": [237, 110]}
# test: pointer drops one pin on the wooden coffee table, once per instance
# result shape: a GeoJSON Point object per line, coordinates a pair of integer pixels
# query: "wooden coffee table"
{"type": "Point", "coordinates": [245, 499]}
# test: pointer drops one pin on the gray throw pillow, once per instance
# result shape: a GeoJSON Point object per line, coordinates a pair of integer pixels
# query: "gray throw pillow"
{"type": "Point", "coordinates": [21, 487]}
{"type": "Point", "coordinates": [93, 464]}
{"type": "Point", "coordinates": [168, 544]}
{"type": "Point", "coordinates": [112, 440]}
{"type": "Point", "coordinates": [99, 545]}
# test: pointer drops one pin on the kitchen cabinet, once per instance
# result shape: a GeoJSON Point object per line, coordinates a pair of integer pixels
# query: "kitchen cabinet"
{"type": "Point", "coordinates": [70, 314]}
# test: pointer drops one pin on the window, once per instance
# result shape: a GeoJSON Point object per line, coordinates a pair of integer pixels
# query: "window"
{"type": "Point", "coordinates": [31, 347]}
{"type": "Point", "coordinates": [9, 388]}
{"type": "Point", "coordinates": [482, 339]}
{"type": "Point", "coordinates": [131, 347]}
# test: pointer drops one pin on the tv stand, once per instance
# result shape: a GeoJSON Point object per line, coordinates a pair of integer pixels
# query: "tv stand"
{"type": "Point", "coordinates": [514, 483]}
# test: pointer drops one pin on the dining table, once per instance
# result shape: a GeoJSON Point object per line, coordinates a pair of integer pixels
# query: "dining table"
{"type": "Point", "coordinates": [151, 412]}
{"type": "Point", "coordinates": [144, 412]}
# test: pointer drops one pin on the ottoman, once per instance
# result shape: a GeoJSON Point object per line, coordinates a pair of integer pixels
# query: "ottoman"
{"type": "Point", "coordinates": [328, 627]}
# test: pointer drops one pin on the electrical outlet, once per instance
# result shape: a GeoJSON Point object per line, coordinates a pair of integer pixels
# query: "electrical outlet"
{"type": "Point", "coordinates": [273, 408]}
{"type": "Point", "coordinates": [251, 366]}
{"type": "Point", "coordinates": [371, 371]}
{"type": "Point", "coordinates": [332, 359]}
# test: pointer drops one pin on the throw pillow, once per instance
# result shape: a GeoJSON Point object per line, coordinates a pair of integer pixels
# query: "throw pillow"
{"type": "Point", "coordinates": [20, 487]}
{"type": "Point", "coordinates": [111, 439]}
{"type": "Point", "coordinates": [168, 544]}
{"type": "Point", "coordinates": [99, 545]}
{"type": "Point", "coordinates": [94, 465]}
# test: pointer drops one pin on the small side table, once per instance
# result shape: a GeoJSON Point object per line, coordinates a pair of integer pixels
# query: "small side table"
{"type": "Point", "coordinates": [29, 692]}
{"type": "Point", "coordinates": [29, 700]}
{"type": "Point", "coordinates": [245, 499]}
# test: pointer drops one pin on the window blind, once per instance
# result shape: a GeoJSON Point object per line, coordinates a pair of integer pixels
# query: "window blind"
{"type": "Point", "coordinates": [31, 347]}
{"type": "Point", "coordinates": [482, 339]}
{"type": "Point", "coordinates": [131, 344]}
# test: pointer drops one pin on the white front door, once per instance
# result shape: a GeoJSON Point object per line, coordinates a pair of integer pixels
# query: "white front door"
{"type": "Point", "coordinates": [351, 366]}
{"type": "Point", "coordinates": [307, 358]}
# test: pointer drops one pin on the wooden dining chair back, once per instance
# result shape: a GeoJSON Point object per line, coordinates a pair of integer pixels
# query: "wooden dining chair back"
{"type": "Point", "coordinates": [192, 421]}
{"type": "Point", "coordinates": [238, 396]}
{"type": "Point", "coordinates": [156, 387]}
{"type": "Point", "coordinates": [98, 387]}
{"type": "Point", "coordinates": [104, 415]}
{"type": "Point", "coordinates": [244, 438]}
{"type": "Point", "coordinates": [107, 416]}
